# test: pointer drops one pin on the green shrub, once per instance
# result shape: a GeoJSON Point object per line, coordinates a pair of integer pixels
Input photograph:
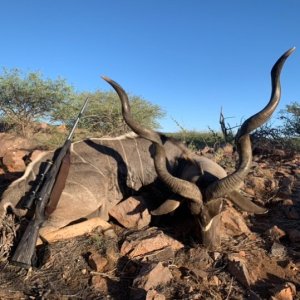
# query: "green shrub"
{"type": "Point", "coordinates": [27, 98]}
{"type": "Point", "coordinates": [196, 140]}
{"type": "Point", "coordinates": [103, 115]}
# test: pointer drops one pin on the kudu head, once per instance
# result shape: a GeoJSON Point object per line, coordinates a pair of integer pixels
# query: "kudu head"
{"type": "Point", "coordinates": [206, 202]}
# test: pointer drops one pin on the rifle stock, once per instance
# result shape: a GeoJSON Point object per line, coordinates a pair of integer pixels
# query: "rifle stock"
{"type": "Point", "coordinates": [23, 256]}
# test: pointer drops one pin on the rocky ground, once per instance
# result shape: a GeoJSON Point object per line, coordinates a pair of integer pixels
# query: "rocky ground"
{"type": "Point", "coordinates": [259, 257]}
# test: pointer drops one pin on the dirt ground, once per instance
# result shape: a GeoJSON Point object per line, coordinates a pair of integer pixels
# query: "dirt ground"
{"type": "Point", "coordinates": [262, 265]}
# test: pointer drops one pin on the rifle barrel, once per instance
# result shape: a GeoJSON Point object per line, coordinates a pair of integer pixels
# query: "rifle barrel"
{"type": "Point", "coordinates": [77, 120]}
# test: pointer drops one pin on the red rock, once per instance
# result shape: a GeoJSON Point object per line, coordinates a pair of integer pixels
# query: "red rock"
{"type": "Point", "coordinates": [97, 262]}
{"type": "Point", "coordinates": [276, 233]}
{"type": "Point", "coordinates": [165, 254]}
{"type": "Point", "coordinates": [201, 256]}
{"type": "Point", "coordinates": [249, 191]}
{"type": "Point", "coordinates": [151, 276]}
{"type": "Point", "coordinates": [238, 268]}
{"type": "Point", "coordinates": [285, 292]}
{"type": "Point", "coordinates": [100, 283]}
{"type": "Point", "coordinates": [214, 281]}
{"type": "Point", "coordinates": [9, 142]}
{"type": "Point", "coordinates": [232, 223]}
{"type": "Point", "coordinates": [278, 250]}
{"type": "Point", "coordinates": [288, 202]}
{"type": "Point", "coordinates": [13, 160]}
{"type": "Point", "coordinates": [112, 255]}
{"type": "Point", "coordinates": [148, 244]}
{"type": "Point", "coordinates": [131, 213]}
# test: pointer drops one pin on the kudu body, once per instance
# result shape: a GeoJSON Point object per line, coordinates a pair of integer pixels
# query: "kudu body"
{"type": "Point", "coordinates": [107, 170]}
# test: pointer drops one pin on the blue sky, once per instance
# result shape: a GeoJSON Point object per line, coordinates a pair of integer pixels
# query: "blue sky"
{"type": "Point", "coordinates": [189, 56]}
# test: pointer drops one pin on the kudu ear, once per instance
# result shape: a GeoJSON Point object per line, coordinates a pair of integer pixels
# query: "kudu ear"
{"type": "Point", "coordinates": [245, 204]}
{"type": "Point", "coordinates": [167, 207]}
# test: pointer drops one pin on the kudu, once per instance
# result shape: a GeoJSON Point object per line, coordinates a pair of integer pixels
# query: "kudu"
{"type": "Point", "coordinates": [105, 171]}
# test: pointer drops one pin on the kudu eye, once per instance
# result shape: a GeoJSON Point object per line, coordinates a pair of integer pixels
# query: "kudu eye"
{"type": "Point", "coordinates": [196, 179]}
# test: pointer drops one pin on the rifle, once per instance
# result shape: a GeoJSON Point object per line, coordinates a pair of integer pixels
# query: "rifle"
{"type": "Point", "coordinates": [24, 255]}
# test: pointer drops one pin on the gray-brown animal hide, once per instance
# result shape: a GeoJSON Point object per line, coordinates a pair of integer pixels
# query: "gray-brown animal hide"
{"type": "Point", "coordinates": [105, 171]}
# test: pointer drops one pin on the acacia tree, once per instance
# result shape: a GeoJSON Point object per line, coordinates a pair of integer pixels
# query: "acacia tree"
{"type": "Point", "coordinates": [291, 119]}
{"type": "Point", "coordinates": [103, 115]}
{"type": "Point", "coordinates": [26, 98]}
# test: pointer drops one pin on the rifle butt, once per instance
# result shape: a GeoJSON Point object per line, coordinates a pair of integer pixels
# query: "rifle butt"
{"type": "Point", "coordinates": [25, 252]}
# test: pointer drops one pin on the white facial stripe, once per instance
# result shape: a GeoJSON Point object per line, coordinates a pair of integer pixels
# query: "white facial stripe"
{"type": "Point", "coordinates": [207, 227]}
{"type": "Point", "coordinates": [141, 163]}
{"type": "Point", "coordinates": [130, 135]}
{"type": "Point", "coordinates": [127, 164]}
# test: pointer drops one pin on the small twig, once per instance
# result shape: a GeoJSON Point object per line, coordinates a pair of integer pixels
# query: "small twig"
{"type": "Point", "coordinates": [154, 252]}
{"type": "Point", "coordinates": [105, 274]}
{"type": "Point", "coordinates": [71, 296]}
{"type": "Point", "coordinates": [172, 266]}
{"type": "Point", "coordinates": [230, 288]}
